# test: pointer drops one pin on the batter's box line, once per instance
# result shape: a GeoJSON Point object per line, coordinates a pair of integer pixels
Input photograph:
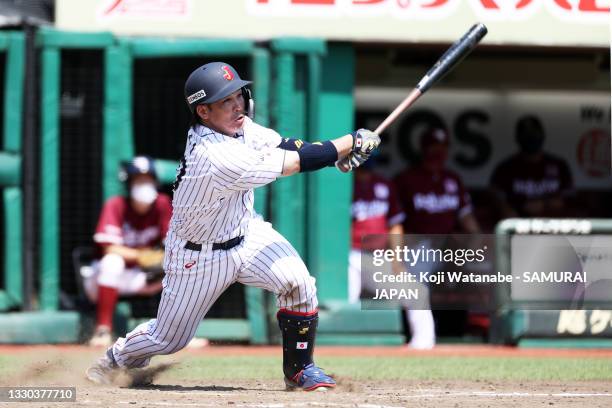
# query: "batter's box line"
{"type": "Point", "coordinates": [289, 405]}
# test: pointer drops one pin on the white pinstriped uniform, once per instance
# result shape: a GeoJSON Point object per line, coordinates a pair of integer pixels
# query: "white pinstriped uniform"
{"type": "Point", "coordinates": [214, 203]}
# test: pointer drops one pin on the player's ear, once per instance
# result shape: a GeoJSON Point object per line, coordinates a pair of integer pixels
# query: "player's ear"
{"type": "Point", "coordinates": [203, 111]}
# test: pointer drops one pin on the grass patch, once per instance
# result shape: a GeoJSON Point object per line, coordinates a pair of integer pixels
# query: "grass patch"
{"type": "Point", "coordinates": [236, 367]}
{"type": "Point", "coordinates": [405, 368]}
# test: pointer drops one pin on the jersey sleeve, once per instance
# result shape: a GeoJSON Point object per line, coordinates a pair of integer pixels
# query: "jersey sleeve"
{"type": "Point", "coordinates": [238, 167]}
{"type": "Point", "coordinates": [261, 137]}
{"type": "Point", "coordinates": [396, 214]}
{"type": "Point", "coordinates": [109, 229]}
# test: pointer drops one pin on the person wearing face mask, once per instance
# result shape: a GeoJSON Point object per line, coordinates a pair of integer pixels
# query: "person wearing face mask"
{"type": "Point", "coordinates": [129, 237]}
{"type": "Point", "coordinates": [531, 182]}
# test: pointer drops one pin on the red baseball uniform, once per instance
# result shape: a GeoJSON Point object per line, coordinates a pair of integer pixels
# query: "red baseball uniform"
{"type": "Point", "coordinates": [119, 224]}
{"type": "Point", "coordinates": [375, 208]}
{"type": "Point", "coordinates": [433, 203]}
{"type": "Point", "coordinates": [522, 180]}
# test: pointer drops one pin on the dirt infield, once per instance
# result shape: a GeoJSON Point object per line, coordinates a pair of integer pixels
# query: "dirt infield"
{"type": "Point", "coordinates": [64, 366]}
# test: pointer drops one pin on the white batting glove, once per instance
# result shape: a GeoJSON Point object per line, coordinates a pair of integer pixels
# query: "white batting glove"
{"type": "Point", "coordinates": [351, 162]}
{"type": "Point", "coordinates": [364, 142]}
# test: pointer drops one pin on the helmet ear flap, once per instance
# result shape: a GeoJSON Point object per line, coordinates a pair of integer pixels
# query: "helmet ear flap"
{"type": "Point", "coordinates": [249, 102]}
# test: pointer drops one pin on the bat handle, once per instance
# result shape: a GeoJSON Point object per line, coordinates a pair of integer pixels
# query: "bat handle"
{"type": "Point", "coordinates": [409, 100]}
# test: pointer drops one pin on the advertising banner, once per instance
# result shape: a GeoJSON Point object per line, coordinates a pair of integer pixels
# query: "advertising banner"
{"type": "Point", "coordinates": [529, 22]}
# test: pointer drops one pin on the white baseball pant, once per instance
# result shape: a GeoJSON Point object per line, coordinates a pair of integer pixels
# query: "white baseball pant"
{"type": "Point", "coordinates": [195, 279]}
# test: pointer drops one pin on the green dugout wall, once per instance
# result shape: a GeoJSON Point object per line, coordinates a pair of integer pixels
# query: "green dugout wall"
{"type": "Point", "coordinates": [312, 100]}
{"type": "Point", "coordinates": [302, 87]}
{"type": "Point", "coordinates": [549, 323]}
{"type": "Point", "coordinates": [12, 51]}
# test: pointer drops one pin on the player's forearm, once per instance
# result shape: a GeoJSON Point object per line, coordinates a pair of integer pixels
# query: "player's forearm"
{"type": "Point", "coordinates": [343, 145]}
{"type": "Point", "coordinates": [396, 240]}
{"type": "Point", "coordinates": [315, 156]}
{"type": "Point", "coordinates": [396, 237]}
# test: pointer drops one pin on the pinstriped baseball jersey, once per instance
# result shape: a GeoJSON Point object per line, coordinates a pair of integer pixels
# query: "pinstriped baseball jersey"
{"type": "Point", "coordinates": [213, 198]}
{"type": "Point", "coordinates": [213, 202]}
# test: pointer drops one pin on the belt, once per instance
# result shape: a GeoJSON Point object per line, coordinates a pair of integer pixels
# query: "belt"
{"type": "Point", "coordinates": [229, 244]}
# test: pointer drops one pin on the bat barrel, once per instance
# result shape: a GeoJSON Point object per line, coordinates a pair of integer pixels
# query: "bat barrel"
{"type": "Point", "coordinates": [458, 51]}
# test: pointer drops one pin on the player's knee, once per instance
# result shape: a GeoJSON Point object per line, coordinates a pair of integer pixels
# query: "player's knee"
{"type": "Point", "coordinates": [302, 293]}
{"type": "Point", "coordinates": [111, 268]}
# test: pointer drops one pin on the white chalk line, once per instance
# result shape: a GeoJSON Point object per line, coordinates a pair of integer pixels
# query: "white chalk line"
{"type": "Point", "coordinates": [241, 405]}
{"type": "Point", "coordinates": [493, 394]}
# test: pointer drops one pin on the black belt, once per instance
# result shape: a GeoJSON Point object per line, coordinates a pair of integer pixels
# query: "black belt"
{"type": "Point", "coordinates": [229, 244]}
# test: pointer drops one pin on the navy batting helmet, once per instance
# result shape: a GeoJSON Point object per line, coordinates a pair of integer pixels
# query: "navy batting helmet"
{"type": "Point", "coordinates": [138, 165]}
{"type": "Point", "coordinates": [212, 82]}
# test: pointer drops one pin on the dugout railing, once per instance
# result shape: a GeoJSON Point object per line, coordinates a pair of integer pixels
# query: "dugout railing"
{"type": "Point", "coordinates": [534, 322]}
{"type": "Point", "coordinates": [12, 54]}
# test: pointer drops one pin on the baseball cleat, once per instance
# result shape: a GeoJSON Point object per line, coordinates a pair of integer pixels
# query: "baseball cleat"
{"type": "Point", "coordinates": [310, 379]}
{"type": "Point", "coordinates": [101, 338]}
{"type": "Point", "coordinates": [104, 370]}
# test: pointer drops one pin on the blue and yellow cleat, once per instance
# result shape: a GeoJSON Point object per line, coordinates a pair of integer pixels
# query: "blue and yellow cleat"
{"type": "Point", "coordinates": [310, 379]}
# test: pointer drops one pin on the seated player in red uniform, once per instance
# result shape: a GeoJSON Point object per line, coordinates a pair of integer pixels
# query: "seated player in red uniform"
{"type": "Point", "coordinates": [531, 182]}
{"type": "Point", "coordinates": [436, 202]}
{"type": "Point", "coordinates": [129, 236]}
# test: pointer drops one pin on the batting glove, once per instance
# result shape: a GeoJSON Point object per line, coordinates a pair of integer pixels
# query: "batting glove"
{"type": "Point", "coordinates": [351, 162]}
{"type": "Point", "coordinates": [364, 142]}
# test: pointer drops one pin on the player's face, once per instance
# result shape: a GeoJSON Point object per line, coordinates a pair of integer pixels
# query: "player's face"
{"type": "Point", "coordinates": [435, 156]}
{"type": "Point", "coordinates": [225, 116]}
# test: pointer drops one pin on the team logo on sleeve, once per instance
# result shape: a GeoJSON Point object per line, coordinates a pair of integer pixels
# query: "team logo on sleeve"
{"type": "Point", "coordinates": [227, 73]}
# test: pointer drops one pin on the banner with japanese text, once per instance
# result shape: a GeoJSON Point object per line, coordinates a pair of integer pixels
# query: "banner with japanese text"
{"type": "Point", "coordinates": [523, 22]}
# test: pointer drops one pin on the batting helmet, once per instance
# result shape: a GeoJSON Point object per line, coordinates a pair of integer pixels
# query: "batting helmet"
{"type": "Point", "coordinates": [138, 165]}
{"type": "Point", "coordinates": [212, 82]}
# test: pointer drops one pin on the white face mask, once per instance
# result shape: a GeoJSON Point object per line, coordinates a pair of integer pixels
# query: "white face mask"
{"type": "Point", "coordinates": [144, 193]}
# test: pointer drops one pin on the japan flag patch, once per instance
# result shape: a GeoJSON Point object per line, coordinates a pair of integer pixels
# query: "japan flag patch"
{"type": "Point", "coordinates": [302, 345]}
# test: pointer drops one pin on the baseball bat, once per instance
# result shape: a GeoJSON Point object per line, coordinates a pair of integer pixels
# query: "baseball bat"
{"type": "Point", "coordinates": [457, 52]}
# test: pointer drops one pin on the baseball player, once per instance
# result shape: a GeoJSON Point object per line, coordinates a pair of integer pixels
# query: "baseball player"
{"type": "Point", "coordinates": [378, 215]}
{"type": "Point", "coordinates": [434, 198]}
{"type": "Point", "coordinates": [532, 183]}
{"type": "Point", "coordinates": [215, 237]}
{"type": "Point", "coordinates": [129, 230]}
{"type": "Point", "coordinates": [375, 210]}
{"type": "Point", "coordinates": [435, 202]}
